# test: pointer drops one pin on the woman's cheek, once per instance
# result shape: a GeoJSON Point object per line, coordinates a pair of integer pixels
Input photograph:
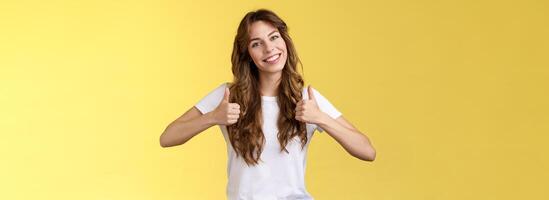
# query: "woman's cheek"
{"type": "Point", "coordinates": [256, 56]}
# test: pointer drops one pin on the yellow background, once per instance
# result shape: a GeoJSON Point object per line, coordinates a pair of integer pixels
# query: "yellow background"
{"type": "Point", "coordinates": [453, 95]}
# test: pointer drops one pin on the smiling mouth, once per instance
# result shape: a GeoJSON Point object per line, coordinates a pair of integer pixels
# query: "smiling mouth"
{"type": "Point", "coordinates": [273, 59]}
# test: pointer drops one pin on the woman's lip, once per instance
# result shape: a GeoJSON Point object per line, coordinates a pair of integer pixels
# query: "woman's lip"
{"type": "Point", "coordinates": [273, 61]}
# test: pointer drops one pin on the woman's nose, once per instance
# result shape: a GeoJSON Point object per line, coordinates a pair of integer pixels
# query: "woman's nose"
{"type": "Point", "coordinates": [269, 47]}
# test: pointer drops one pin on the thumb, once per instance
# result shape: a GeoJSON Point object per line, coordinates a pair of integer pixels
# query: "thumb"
{"type": "Point", "coordinates": [226, 96]}
{"type": "Point", "coordinates": [311, 95]}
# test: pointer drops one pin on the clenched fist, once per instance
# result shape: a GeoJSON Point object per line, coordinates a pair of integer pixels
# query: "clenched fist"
{"type": "Point", "coordinates": [307, 110]}
{"type": "Point", "coordinates": [226, 113]}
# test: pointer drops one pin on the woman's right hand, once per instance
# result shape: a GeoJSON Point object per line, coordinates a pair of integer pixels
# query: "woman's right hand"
{"type": "Point", "coordinates": [226, 113]}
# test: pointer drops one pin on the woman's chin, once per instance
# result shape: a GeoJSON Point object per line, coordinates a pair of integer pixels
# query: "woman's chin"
{"type": "Point", "coordinates": [272, 68]}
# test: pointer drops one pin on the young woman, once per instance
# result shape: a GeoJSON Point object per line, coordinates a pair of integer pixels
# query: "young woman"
{"type": "Point", "coordinates": [266, 115]}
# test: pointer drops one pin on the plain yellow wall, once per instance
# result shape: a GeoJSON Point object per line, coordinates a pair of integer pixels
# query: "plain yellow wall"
{"type": "Point", "coordinates": [453, 94]}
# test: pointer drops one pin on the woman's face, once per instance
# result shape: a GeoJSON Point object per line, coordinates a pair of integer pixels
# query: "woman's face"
{"type": "Point", "coordinates": [266, 47]}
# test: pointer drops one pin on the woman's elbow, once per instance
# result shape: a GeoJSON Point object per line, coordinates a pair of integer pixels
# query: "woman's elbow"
{"type": "Point", "coordinates": [370, 156]}
{"type": "Point", "coordinates": [164, 141]}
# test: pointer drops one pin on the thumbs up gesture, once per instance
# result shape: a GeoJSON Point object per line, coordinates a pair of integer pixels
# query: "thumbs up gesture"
{"type": "Point", "coordinates": [226, 113]}
{"type": "Point", "coordinates": [307, 110]}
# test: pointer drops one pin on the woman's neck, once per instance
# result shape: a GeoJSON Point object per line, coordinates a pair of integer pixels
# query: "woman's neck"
{"type": "Point", "coordinates": [268, 83]}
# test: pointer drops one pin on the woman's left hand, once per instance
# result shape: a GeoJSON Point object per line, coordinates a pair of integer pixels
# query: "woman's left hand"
{"type": "Point", "coordinates": [307, 110]}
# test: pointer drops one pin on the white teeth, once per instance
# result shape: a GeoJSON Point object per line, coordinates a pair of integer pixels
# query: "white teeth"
{"type": "Point", "coordinates": [272, 58]}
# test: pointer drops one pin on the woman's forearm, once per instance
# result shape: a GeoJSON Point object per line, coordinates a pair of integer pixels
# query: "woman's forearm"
{"type": "Point", "coordinates": [179, 132]}
{"type": "Point", "coordinates": [354, 142]}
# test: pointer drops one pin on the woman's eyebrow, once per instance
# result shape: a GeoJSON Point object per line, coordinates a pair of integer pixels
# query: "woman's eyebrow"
{"type": "Point", "coordinates": [267, 35]}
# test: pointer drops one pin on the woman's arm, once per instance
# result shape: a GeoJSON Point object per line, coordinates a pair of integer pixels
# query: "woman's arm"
{"type": "Point", "coordinates": [352, 140]}
{"type": "Point", "coordinates": [185, 127]}
{"type": "Point", "coordinates": [193, 122]}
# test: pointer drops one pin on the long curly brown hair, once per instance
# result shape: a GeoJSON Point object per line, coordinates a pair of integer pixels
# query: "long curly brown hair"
{"type": "Point", "coordinates": [246, 135]}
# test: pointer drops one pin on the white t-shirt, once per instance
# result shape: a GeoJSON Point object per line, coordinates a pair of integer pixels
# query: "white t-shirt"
{"type": "Point", "coordinates": [279, 175]}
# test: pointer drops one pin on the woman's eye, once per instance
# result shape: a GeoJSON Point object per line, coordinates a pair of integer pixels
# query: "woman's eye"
{"type": "Point", "coordinates": [254, 44]}
{"type": "Point", "coordinates": [274, 37]}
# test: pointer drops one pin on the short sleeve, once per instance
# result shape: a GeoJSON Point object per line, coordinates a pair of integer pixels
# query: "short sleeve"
{"type": "Point", "coordinates": [209, 102]}
{"type": "Point", "coordinates": [324, 104]}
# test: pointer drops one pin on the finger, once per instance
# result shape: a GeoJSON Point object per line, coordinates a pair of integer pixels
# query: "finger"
{"type": "Point", "coordinates": [234, 105]}
{"type": "Point", "coordinates": [233, 117]}
{"type": "Point", "coordinates": [226, 95]}
{"type": "Point", "coordinates": [234, 112]}
{"type": "Point", "coordinates": [233, 108]}
{"type": "Point", "coordinates": [311, 95]}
